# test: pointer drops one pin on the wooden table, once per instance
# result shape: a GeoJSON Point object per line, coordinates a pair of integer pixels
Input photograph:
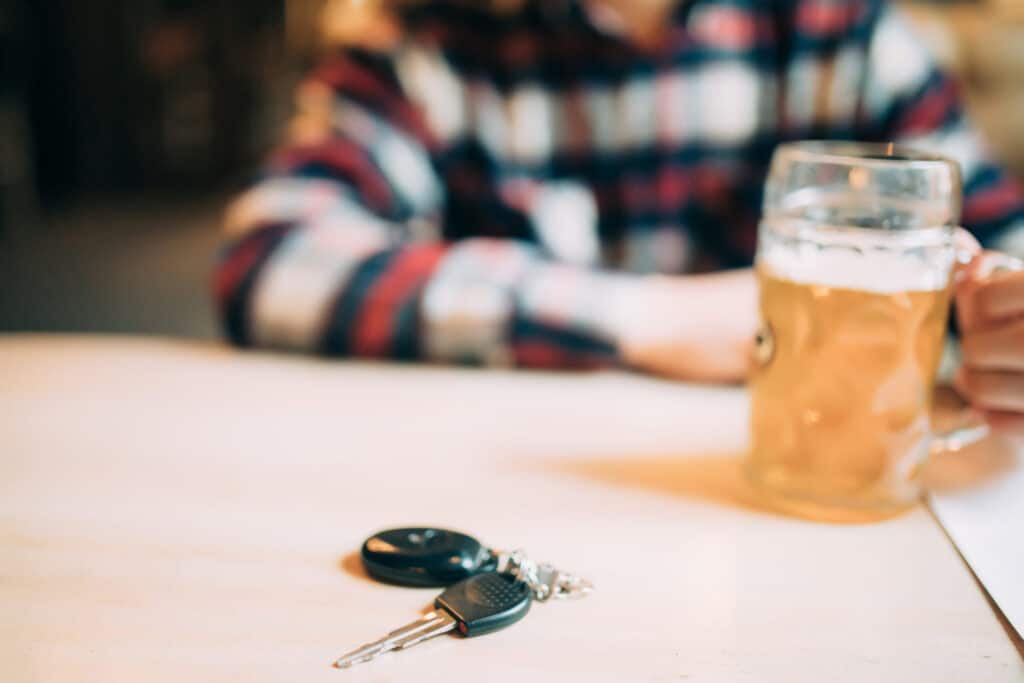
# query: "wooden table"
{"type": "Point", "coordinates": [172, 511]}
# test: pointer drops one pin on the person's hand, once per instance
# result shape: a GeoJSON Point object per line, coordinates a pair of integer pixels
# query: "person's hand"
{"type": "Point", "coordinates": [989, 295]}
{"type": "Point", "coordinates": [691, 327]}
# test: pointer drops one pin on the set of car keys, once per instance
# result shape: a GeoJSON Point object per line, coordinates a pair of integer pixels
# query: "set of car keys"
{"type": "Point", "coordinates": [486, 590]}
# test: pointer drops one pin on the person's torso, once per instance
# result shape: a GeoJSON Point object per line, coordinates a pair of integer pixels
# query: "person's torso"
{"type": "Point", "coordinates": [552, 130]}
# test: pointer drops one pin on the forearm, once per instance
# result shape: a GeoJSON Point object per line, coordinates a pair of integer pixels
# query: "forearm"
{"type": "Point", "coordinates": [479, 301]}
{"type": "Point", "coordinates": [697, 327]}
{"type": "Point", "coordinates": [545, 314]}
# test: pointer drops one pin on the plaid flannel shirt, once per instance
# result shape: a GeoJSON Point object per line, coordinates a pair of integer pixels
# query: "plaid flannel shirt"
{"type": "Point", "coordinates": [483, 191]}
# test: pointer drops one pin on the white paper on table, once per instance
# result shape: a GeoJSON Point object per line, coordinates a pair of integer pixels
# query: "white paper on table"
{"type": "Point", "coordinates": [977, 494]}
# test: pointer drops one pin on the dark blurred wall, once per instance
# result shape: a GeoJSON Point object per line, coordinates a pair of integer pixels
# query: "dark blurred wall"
{"type": "Point", "coordinates": [131, 94]}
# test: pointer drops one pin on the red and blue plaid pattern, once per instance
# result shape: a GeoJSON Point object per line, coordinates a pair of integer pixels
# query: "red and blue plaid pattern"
{"type": "Point", "coordinates": [483, 192]}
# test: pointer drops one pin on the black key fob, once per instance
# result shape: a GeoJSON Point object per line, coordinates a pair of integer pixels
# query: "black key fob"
{"type": "Point", "coordinates": [422, 557]}
{"type": "Point", "coordinates": [486, 603]}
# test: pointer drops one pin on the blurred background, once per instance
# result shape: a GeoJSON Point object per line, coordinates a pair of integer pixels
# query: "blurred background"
{"type": "Point", "coordinates": [126, 125]}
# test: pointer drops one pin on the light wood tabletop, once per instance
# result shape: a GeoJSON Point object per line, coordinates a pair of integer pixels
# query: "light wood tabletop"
{"type": "Point", "coordinates": [174, 511]}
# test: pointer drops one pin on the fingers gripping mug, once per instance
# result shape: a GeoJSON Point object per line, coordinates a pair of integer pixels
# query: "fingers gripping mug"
{"type": "Point", "coordinates": [855, 261]}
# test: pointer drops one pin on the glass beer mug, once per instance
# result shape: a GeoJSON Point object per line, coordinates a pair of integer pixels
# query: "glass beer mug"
{"type": "Point", "coordinates": [855, 263]}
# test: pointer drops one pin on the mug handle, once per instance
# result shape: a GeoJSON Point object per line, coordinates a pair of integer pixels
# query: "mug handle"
{"type": "Point", "coordinates": [970, 428]}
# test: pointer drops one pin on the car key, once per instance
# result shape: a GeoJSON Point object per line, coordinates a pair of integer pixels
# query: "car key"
{"type": "Point", "coordinates": [425, 556]}
{"type": "Point", "coordinates": [474, 606]}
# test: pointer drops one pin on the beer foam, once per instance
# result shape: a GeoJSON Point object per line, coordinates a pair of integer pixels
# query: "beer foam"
{"type": "Point", "coordinates": [870, 270]}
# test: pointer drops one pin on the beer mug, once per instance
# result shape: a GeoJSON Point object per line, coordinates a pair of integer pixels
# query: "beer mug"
{"type": "Point", "coordinates": [855, 262]}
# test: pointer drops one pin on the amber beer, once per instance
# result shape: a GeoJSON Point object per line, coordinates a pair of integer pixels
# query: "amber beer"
{"type": "Point", "coordinates": [842, 385]}
{"type": "Point", "coordinates": [855, 258]}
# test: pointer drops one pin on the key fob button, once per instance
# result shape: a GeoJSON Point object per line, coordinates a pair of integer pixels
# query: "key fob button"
{"type": "Point", "coordinates": [424, 556]}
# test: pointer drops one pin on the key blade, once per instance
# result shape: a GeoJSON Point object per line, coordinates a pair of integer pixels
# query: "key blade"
{"type": "Point", "coordinates": [370, 651]}
{"type": "Point", "coordinates": [350, 660]}
{"type": "Point", "coordinates": [364, 654]}
{"type": "Point", "coordinates": [444, 626]}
